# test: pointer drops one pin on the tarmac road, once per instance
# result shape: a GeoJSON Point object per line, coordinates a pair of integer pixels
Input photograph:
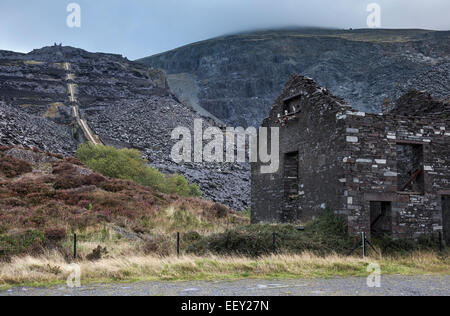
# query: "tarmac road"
{"type": "Point", "coordinates": [390, 286]}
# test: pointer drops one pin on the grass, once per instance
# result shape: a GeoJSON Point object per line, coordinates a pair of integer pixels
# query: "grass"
{"type": "Point", "coordinates": [33, 62]}
{"type": "Point", "coordinates": [324, 235]}
{"type": "Point", "coordinates": [125, 261]}
{"type": "Point", "coordinates": [53, 269]}
{"type": "Point", "coordinates": [59, 65]}
{"type": "Point", "coordinates": [52, 110]}
{"type": "Point", "coordinates": [133, 228]}
{"type": "Point", "coordinates": [63, 195]}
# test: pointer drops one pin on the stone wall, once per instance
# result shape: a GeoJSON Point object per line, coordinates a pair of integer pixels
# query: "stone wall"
{"type": "Point", "coordinates": [372, 172]}
{"type": "Point", "coordinates": [349, 161]}
{"type": "Point", "coordinates": [314, 132]}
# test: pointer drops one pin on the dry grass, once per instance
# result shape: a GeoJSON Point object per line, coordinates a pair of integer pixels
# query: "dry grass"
{"type": "Point", "coordinates": [52, 110]}
{"type": "Point", "coordinates": [62, 194]}
{"type": "Point", "coordinates": [137, 226]}
{"type": "Point", "coordinates": [59, 65]}
{"type": "Point", "coordinates": [33, 62]}
{"type": "Point", "coordinates": [53, 269]}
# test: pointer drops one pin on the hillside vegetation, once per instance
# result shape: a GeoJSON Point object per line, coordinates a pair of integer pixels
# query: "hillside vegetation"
{"type": "Point", "coordinates": [45, 198]}
{"type": "Point", "coordinates": [128, 231]}
{"type": "Point", "coordinates": [128, 164]}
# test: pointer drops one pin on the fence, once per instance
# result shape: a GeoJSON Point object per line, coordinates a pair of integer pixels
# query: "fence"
{"type": "Point", "coordinates": [363, 243]}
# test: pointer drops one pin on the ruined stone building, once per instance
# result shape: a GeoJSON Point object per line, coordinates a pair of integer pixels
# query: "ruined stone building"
{"type": "Point", "coordinates": [384, 173]}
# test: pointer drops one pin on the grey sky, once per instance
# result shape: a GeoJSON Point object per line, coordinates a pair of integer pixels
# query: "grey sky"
{"type": "Point", "coordinates": [138, 28]}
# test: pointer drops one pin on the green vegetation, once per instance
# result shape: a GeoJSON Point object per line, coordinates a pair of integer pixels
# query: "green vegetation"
{"type": "Point", "coordinates": [324, 235]}
{"type": "Point", "coordinates": [126, 231]}
{"type": "Point", "coordinates": [127, 164]}
{"type": "Point", "coordinates": [47, 271]}
{"type": "Point", "coordinates": [388, 245]}
{"type": "Point", "coordinates": [30, 241]}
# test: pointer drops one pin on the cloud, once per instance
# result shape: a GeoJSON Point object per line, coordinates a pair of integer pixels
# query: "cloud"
{"type": "Point", "coordinates": [138, 28]}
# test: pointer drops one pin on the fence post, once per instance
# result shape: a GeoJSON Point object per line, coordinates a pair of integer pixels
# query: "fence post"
{"type": "Point", "coordinates": [363, 239]}
{"type": "Point", "coordinates": [75, 246]}
{"type": "Point", "coordinates": [274, 242]}
{"type": "Point", "coordinates": [440, 242]}
{"type": "Point", "coordinates": [178, 244]}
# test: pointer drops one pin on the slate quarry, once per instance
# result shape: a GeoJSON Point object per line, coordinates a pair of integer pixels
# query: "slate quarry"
{"type": "Point", "coordinates": [125, 104]}
{"type": "Point", "coordinates": [237, 78]}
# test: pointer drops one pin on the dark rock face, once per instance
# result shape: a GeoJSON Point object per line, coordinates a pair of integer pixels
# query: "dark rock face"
{"type": "Point", "coordinates": [146, 124]}
{"type": "Point", "coordinates": [125, 103]}
{"type": "Point", "coordinates": [237, 78]}
{"type": "Point", "coordinates": [419, 103]}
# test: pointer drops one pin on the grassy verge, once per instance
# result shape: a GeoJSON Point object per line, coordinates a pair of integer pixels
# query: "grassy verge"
{"type": "Point", "coordinates": [53, 269]}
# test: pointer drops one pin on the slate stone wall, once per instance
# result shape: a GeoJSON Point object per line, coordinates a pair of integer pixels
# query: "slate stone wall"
{"type": "Point", "coordinates": [348, 159]}
{"type": "Point", "coordinates": [372, 170]}
{"type": "Point", "coordinates": [319, 138]}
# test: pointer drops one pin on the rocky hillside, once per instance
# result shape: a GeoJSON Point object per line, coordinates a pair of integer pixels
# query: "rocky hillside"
{"type": "Point", "coordinates": [237, 78]}
{"type": "Point", "coordinates": [126, 104]}
{"type": "Point", "coordinates": [44, 197]}
{"type": "Point", "coordinates": [420, 103]}
{"type": "Point", "coordinates": [20, 128]}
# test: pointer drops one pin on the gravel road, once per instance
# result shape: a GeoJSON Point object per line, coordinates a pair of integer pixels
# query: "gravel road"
{"type": "Point", "coordinates": [390, 286]}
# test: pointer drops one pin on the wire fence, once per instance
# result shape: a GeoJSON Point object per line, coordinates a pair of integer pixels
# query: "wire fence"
{"type": "Point", "coordinates": [433, 241]}
{"type": "Point", "coordinates": [362, 243]}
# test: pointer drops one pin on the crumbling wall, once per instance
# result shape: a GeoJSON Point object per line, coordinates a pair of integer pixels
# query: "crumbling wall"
{"type": "Point", "coordinates": [372, 170]}
{"type": "Point", "coordinates": [446, 217]}
{"type": "Point", "coordinates": [315, 133]}
{"type": "Point", "coordinates": [350, 160]}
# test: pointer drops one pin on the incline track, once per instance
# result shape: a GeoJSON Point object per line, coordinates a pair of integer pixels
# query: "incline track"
{"type": "Point", "coordinates": [91, 137]}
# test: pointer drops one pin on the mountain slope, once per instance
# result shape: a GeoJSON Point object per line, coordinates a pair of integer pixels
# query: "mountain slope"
{"type": "Point", "coordinates": [236, 78]}
{"type": "Point", "coordinates": [19, 128]}
{"type": "Point", "coordinates": [126, 104]}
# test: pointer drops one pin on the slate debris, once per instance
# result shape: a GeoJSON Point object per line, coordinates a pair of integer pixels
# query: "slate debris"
{"type": "Point", "coordinates": [125, 103]}
{"type": "Point", "coordinates": [22, 129]}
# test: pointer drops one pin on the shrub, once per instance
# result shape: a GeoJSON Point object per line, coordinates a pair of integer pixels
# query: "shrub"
{"type": "Point", "coordinates": [160, 245]}
{"type": "Point", "coordinates": [114, 186]}
{"type": "Point", "coordinates": [68, 182]}
{"type": "Point", "coordinates": [219, 210]}
{"type": "Point", "coordinates": [150, 247]}
{"type": "Point", "coordinates": [97, 254]}
{"type": "Point", "coordinates": [194, 190]}
{"type": "Point", "coordinates": [12, 167]}
{"type": "Point", "coordinates": [13, 202]}
{"type": "Point", "coordinates": [93, 179]}
{"type": "Point", "coordinates": [55, 234]}
{"type": "Point", "coordinates": [29, 242]}
{"type": "Point", "coordinates": [388, 245]}
{"type": "Point", "coordinates": [63, 168]}
{"type": "Point", "coordinates": [72, 181]}
{"type": "Point", "coordinates": [325, 235]}
{"type": "Point", "coordinates": [191, 236]}
{"type": "Point", "coordinates": [127, 164]}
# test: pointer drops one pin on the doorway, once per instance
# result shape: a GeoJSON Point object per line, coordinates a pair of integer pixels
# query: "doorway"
{"type": "Point", "coordinates": [291, 185]}
{"type": "Point", "coordinates": [446, 218]}
{"type": "Point", "coordinates": [380, 218]}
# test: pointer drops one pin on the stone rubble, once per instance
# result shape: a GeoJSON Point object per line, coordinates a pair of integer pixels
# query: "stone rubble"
{"type": "Point", "coordinates": [125, 103]}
